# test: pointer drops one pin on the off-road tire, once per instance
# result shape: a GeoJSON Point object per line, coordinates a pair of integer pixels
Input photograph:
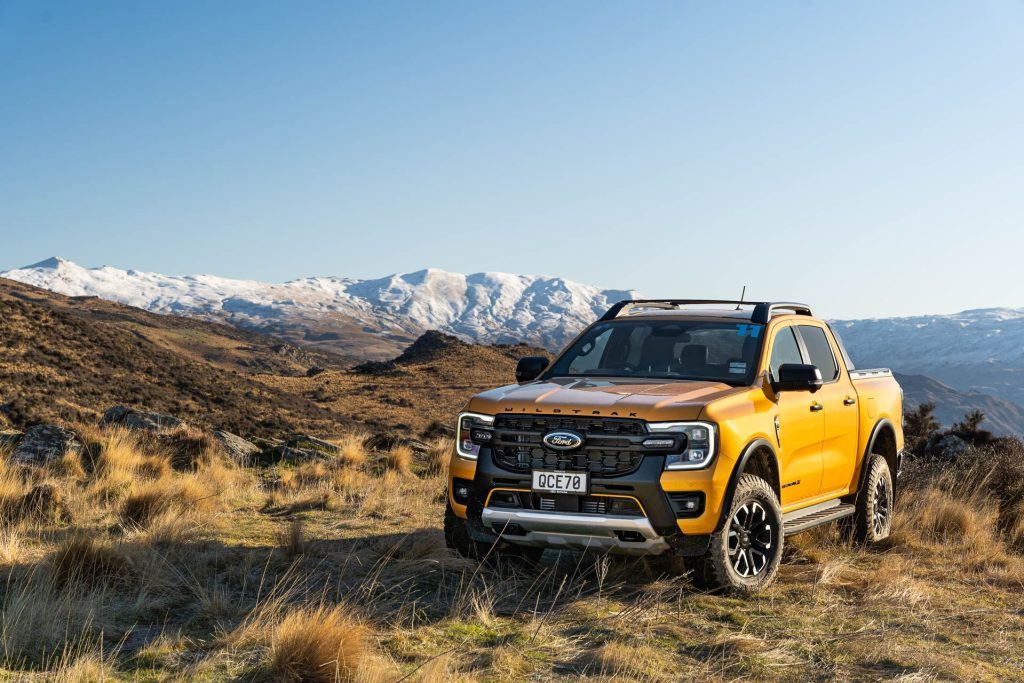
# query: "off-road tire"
{"type": "Point", "coordinates": [872, 521]}
{"type": "Point", "coordinates": [753, 528]}
{"type": "Point", "coordinates": [456, 537]}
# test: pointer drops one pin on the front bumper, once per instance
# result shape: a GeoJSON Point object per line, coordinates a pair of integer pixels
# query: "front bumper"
{"type": "Point", "coordinates": [653, 531]}
{"type": "Point", "coordinates": [628, 535]}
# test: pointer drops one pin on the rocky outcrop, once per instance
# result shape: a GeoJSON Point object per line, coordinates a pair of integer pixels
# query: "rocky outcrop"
{"type": "Point", "coordinates": [45, 443]}
{"type": "Point", "coordinates": [387, 442]}
{"type": "Point", "coordinates": [947, 447]}
{"type": "Point", "coordinates": [131, 418]}
{"type": "Point", "coordinates": [238, 449]}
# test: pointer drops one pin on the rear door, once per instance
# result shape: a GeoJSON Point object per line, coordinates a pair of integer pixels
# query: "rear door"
{"type": "Point", "coordinates": [840, 412]}
{"type": "Point", "coordinates": [800, 426]}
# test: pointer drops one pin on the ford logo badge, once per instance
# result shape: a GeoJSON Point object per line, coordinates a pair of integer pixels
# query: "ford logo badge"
{"type": "Point", "coordinates": [563, 440]}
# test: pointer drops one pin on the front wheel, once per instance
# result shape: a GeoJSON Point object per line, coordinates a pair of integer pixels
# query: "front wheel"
{"type": "Point", "coordinates": [744, 555]}
{"type": "Point", "coordinates": [872, 521]}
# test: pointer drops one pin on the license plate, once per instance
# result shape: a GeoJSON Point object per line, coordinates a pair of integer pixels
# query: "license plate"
{"type": "Point", "coordinates": [560, 482]}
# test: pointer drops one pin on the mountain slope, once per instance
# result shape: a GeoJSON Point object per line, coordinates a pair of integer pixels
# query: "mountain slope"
{"type": "Point", "coordinates": [70, 359]}
{"type": "Point", "coordinates": [978, 351]}
{"type": "Point", "coordinates": [1001, 416]}
{"type": "Point", "coordinates": [357, 318]}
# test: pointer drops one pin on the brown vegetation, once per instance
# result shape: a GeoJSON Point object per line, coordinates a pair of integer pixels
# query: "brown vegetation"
{"type": "Point", "coordinates": [335, 569]}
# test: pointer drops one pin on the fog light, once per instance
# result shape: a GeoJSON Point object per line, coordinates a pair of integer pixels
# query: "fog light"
{"type": "Point", "coordinates": [461, 491]}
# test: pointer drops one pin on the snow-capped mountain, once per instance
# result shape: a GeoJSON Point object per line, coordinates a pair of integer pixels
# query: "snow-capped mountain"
{"type": "Point", "coordinates": [484, 307]}
{"type": "Point", "coordinates": [978, 351]}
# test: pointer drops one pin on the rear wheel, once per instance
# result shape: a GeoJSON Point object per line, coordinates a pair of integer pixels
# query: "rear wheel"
{"type": "Point", "coordinates": [458, 538]}
{"type": "Point", "coordinates": [744, 555]}
{"type": "Point", "coordinates": [872, 521]}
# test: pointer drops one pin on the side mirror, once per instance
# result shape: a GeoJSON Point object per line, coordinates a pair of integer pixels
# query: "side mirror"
{"type": "Point", "coordinates": [530, 367]}
{"type": "Point", "coordinates": [798, 377]}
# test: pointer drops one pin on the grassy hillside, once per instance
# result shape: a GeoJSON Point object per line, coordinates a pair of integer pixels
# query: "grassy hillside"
{"type": "Point", "coordinates": [123, 567]}
{"type": "Point", "coordinates": [146, 558]}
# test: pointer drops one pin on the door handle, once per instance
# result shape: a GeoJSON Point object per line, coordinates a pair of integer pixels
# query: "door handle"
{"type": "Point", "coordinates": [849, 401]}
{"type": "Point", "coordinates": [815, 407]}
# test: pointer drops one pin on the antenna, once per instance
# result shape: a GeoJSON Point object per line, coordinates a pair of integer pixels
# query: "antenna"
{"type": "Point", "coordinates": [743, 296]}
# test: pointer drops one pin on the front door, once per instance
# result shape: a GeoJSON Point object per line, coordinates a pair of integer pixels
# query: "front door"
{"type": "Point", "coordinates": [838, 398]}
{"type": "Point", "coordinates": [799, 426]}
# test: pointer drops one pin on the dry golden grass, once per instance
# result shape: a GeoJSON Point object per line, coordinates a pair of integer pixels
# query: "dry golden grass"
{"type": "Point", "coordinates": [159, 573]}
{"type": "Point", "coordinates": [439, 454]}
{"type": "Point", "coordinates": [182, 495]}
{"type": "Point", "coordinates": [318, 644]}
{"type": "Point", "coordinates": [353, 449]}
{"type": "Point", "coordinates": [399, 459]}
{"type": "Point", "coordinates": [293, 538]}
{"type": "Point", "coordinates": [84, 561]}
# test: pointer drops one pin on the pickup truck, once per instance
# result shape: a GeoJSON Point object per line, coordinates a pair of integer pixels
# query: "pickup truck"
{"type": "Point", "coordinates": [709, 434]}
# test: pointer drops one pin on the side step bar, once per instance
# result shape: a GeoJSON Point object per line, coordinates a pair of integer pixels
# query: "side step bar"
{"type": "Point", "coordinates": [816, 515]}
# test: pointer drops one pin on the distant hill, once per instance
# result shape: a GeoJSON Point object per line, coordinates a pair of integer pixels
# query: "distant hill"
{"type": "Point", "coordinates": [976, 356]}
{"type": "Point", "coordinates": [974, 351]}
{"type": "Point", "coordinates": [1001, 416]}
{"type": "Point", "coordinates": [363, 319]}
{"type": "Point", "coordinates": [70, 358]}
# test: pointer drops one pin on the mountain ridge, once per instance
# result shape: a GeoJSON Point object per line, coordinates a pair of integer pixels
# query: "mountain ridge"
{"type": "Point", "coordinates": [976, 352]}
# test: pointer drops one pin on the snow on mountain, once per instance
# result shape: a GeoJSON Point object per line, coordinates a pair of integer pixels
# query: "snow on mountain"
{"type": "Point", "coordinates": [485, 307]}
{"type": "Point", "coordinates": [980, 350]}
{"type": "Point", "coordinates": [976, 336]}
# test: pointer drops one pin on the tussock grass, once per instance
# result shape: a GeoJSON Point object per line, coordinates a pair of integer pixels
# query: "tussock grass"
{"type": "Point", "coordinates": [337, 570]}
{"type": "Point", "coordinates": [439, 454]}
{"type": "Point", "coordinates": [183, 495]}
{"type": "Point", "coordinates": [353, 449]}
{"type": "Point", "coordinates": [399, 459]}
{"type": "Point", "coordinates": [84, 561]}
{"type": "Point", "coordinates": [318, 644]}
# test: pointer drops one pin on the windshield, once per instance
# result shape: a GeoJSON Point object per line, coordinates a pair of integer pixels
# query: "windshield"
{"type": "Point", "coordinates": [715, 351]}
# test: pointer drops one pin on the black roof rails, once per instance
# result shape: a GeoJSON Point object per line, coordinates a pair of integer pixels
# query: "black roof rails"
{"type": "Point", "coordinates": [762, 312]}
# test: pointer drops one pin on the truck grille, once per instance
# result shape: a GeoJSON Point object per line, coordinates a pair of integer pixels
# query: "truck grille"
{"type": "Point", "coordinates": [612, 446]}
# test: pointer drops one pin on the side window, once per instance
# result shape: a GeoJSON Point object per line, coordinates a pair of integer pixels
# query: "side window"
{"type": "Point", "coordinates": [784, 350]}
{"type": "Point", "coordinates": [820, 351]}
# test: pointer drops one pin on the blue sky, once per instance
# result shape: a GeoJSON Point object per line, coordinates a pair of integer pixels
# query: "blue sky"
{"type": "Point", "coordinates": [866, 157]}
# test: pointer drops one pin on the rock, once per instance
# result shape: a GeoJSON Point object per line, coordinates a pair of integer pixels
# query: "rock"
{"type": "Point", "coordinates": [947, 447]}
{"type": "Point", "coordinates": [290, 455]}
{"type": "Point", "coordinates": [431, 345]}
{"type": "Point", "coordinates": [315, 370]}
{"type": "Point", "coordinates": [44, 443]}
{"type": "Point", "coordinates": [307, 442]}
{"type": "Point", "coordinates": [238, 449]}
{"type": "Point", "coordinates": [10, 439]}
{"type": "Point", "coordinates": [438, 430]}
{"type": "Point", "coordinates": [139, 419]}
{"type": "Point", "coordinates": [387, 442]}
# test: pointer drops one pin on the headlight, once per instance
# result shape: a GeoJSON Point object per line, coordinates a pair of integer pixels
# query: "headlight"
{"type": "Point", "coordinates": [465, 444]}
{"type": "Point", "coordinates": [698, 448]}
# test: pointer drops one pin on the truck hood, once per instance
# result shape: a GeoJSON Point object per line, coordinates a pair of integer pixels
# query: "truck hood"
{"type": "Point", "coordinates": [611, 397]}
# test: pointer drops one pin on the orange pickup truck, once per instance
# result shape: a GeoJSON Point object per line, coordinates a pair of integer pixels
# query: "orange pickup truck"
{"type": "Point", "coordinates": [671, 427]}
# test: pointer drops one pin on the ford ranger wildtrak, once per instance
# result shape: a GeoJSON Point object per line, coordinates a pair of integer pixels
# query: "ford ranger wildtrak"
{"type": "Point", "coordinates": [669, 427]}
